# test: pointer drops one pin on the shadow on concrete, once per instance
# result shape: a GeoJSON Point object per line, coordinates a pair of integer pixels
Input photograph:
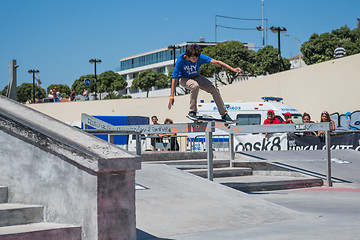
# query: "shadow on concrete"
{"type": "Point", "coordinates": [141, 235]}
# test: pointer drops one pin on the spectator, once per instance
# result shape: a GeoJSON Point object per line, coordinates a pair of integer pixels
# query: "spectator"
{"type": "Point", "coordinates": [288, 119]}
{"type": "Point", "coordinates": [271, 119]}
{"type": "Point", "coordinates": [56, 94]}
{"type": "Point", "coordinates": [51, 96]}
{"type": "Point", "coordinates": [86, 94]}
{"type": "Point", "coordinates": [154, 138]}
{"type": "Point", "coordinates": [174, 145]}
{"type": "Point", "coordinates": [72, 95]}
{"type": "Point", "coordinates": [307, 119]}
{"type": "Point", "coordinates": [325, 117]}
{"type": "Point", "coordinates": [339, 52]}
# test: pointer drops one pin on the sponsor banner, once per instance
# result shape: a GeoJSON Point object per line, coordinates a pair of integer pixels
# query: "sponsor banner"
{"type": "Point", "coordinates": [258, 142]}
{"type": "Point", "coordinates": [339, 141]}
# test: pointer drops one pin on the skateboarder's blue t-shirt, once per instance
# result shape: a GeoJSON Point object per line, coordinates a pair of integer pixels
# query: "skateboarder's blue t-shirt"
{"type": "Point", "coordinates": [185, 68]}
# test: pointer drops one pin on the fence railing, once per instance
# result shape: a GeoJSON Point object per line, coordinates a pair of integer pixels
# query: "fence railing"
{"type": "Point", "coordinates": [209, 129]}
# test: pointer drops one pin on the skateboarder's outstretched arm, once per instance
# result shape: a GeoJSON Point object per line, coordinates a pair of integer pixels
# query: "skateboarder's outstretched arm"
{"type": "Point", "coordinates": [173, 87]}
{"type": "Point", "coordinates": [224, 65]}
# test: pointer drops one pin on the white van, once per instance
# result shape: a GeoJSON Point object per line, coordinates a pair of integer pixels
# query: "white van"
{"type": "Point", "coordinates": [252, 113]}
{"type": "Point", "coordinates": [247, 113]}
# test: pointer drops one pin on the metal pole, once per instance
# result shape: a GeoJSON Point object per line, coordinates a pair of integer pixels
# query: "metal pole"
{"type": "Point", "coordinates": [174, 56]}
{"type": "Point", "coordinates": [328, 173]}
{"type": "Point", "coordinates": [215, 30]}
{"type": "Point", "coordinates": [231, 149]}
{"type": "Point", "coordinates": [110, 138]}
{"type": "Point", "coordinates": [33, 86]}
{"type": "Point", "coordinates": [299, 53]}
{"type": "Point", "coordinates": [138, 144]}
{"type": "Point", "coordinates": [279, 53]}
{"type": "Point", "coordinates": [96, 88]}
{"type": "Point", "coordinates": [210, 156]}
{"type": "Point", "coordinates": [262, 26]}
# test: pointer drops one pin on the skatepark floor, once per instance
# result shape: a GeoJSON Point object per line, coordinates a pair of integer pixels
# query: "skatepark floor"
{"type": "Point", "coordinates": [173, 204]}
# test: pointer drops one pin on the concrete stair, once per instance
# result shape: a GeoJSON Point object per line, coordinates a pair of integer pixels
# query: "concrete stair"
{"type": "Point", "coordinates": [26, 222]}
{"type": "Point", "coordinates": [193, 163]}
{"type": "Point", "coordinates": [243, 176]}
{"type": "Point", "coordinates": [223, 172]}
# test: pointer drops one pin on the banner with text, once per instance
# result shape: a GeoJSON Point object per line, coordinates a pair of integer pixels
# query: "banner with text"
{"type": "Point", "coordinates": [258, 142]}
{"type": "Point", "coordinates": [340, 141]}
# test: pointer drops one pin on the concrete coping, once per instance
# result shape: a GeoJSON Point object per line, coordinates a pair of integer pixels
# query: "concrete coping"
{"type": "Point", "coordinates": [97, 154]}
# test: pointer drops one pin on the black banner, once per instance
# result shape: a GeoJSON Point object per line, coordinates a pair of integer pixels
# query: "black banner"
{"type": "Point", "coordinates": [339, 141]}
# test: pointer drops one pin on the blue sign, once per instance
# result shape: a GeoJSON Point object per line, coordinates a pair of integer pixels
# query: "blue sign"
{"type": "Point", "coordinates": [87, 82]}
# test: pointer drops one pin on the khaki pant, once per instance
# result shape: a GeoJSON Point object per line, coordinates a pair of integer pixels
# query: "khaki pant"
{"type": "Point", "coordinates": [200, 82]}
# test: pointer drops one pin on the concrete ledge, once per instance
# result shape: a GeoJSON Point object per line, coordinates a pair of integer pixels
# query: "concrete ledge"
{"type": "Point", "coordinates": [41, 231]}
{"type": "Point", "coordinates": [163, 156]}
{"type": "Point", "coordinates": [15, 214]}
{"type": "Point", "coordinates": [222, 172]}
{"type": "Point", "coordinates": [37, 128]}
{"type": "Point", "coordinates": [78, 178]}
{"type": "Point", "coordinates": [274, 185]}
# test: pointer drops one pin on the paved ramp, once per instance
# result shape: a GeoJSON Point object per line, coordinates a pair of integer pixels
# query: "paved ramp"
{"type": "Point", "coordinates": [175, 202]}
{"type": "Point", "coordinates": [345, 164]}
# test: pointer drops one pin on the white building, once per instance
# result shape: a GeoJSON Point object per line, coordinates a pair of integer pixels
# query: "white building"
{"type": "Point", "coordinates": [161, 60]}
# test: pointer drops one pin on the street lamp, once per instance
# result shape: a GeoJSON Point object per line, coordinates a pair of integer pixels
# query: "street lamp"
{"type": "Point", "coordinates": [95, 61]}
{"type": "Point", "coordinates": [299, 46]}
{"type": "Point", "coordinates": [33, 71]}
{"type": "Point", "coordinates": [278, 30]}
{"type": "Point", "coordinates": [174, 47]}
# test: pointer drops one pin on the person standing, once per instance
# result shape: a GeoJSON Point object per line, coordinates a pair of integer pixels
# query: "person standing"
{"type": "Point", "coordinates": [288, 119]}
{"type": "Point", "coordinates": [56, 93]}
{"type": "Point", "coordinates": [154, 137]}
{"type": "Point", "coordinates": [271, 119]}
{"type": "Point", "coordinates": [72, 95]}
{"type": "Point", "coordinates": [325, 117]}
{"type": "Point", "coordinates": [339, 52]}
{"type": "Point", "coordinates": [186, 71]}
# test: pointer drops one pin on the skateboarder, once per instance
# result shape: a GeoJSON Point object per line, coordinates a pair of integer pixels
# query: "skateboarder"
{"type": "Point", "coordinates": [187, 71]}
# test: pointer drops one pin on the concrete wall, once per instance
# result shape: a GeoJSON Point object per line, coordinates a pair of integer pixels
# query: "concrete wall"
{"type": "Point", "coordinates": [79, 178]}
{"type": "Point", "coordinates": [331, 85]}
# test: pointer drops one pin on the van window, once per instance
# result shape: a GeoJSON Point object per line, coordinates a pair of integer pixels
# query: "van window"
{"type": "Point", "coordinates": [296, 118]}
{"type": "Point", "coordinates": [280, 118]}
{"type": "Point", "coordinates": [248, 119]}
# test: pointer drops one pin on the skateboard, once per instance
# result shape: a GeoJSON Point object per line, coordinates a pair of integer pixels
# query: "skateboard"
{"type": "Point", "coordinates": [206, 118]}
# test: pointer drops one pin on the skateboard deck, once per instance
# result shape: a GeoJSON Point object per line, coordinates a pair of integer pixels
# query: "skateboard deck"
{"type": "Point", "coordinates": [211, 119]}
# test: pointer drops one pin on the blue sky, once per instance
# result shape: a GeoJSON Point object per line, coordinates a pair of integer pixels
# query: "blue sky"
{"type": "Point", "coordinates": [59, 37]}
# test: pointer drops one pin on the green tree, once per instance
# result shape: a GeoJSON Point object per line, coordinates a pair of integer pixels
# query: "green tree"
{"type": "Point", "coordinates": [266, 61]}
{"type": "Point", "coordinates": [25, 92]}
{"type": "Point", "coordinates": [114, 95]}
{"type": "Point", "coordinates": [321, 47]}
{"type": "Point", "coordinates": [111, 81]}
{"type": "Point", "coordinates": [162, 81]}
{"type": "Point", "coordinates": [4, 91]}
{"type": "Point", "coordinates": [235, 54]}
{"type": "Point", "coordinates": [79, 84]}
{"type": "Point", "coordinates": [148, 79]}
